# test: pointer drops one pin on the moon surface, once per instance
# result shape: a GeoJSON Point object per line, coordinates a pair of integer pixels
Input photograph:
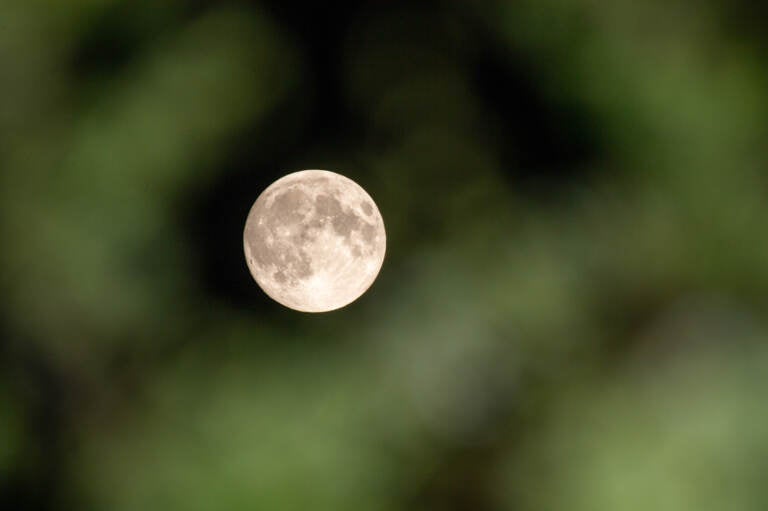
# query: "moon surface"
{"type": "Point", "coordinates": [314, 241]}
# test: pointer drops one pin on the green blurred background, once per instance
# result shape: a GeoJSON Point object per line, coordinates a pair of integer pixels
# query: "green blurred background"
{"type": "Point", "coordinates": [571, 315]}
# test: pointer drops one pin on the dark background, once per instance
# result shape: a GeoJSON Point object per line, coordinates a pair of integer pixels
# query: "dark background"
{"type": "Point", "coordinates": [571, 314]}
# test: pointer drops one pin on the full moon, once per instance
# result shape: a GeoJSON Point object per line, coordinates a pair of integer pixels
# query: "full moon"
{"type": "Point", "coordinates": [314, 241]}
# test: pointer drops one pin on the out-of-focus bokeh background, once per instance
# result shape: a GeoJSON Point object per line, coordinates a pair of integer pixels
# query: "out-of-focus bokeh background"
{"type": "Point", "coordinates": [571, 315]}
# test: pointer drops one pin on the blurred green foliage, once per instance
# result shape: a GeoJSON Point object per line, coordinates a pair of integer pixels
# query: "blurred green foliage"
{"type": "Point", "coordinates": [575, 333]}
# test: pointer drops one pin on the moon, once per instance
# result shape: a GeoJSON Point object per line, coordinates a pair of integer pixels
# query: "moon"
{"type": "Point", "coordinates": [314, 241]}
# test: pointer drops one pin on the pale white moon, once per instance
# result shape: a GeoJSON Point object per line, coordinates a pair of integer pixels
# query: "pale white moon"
{"type": "Point", "coordinates": [314, 241]}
